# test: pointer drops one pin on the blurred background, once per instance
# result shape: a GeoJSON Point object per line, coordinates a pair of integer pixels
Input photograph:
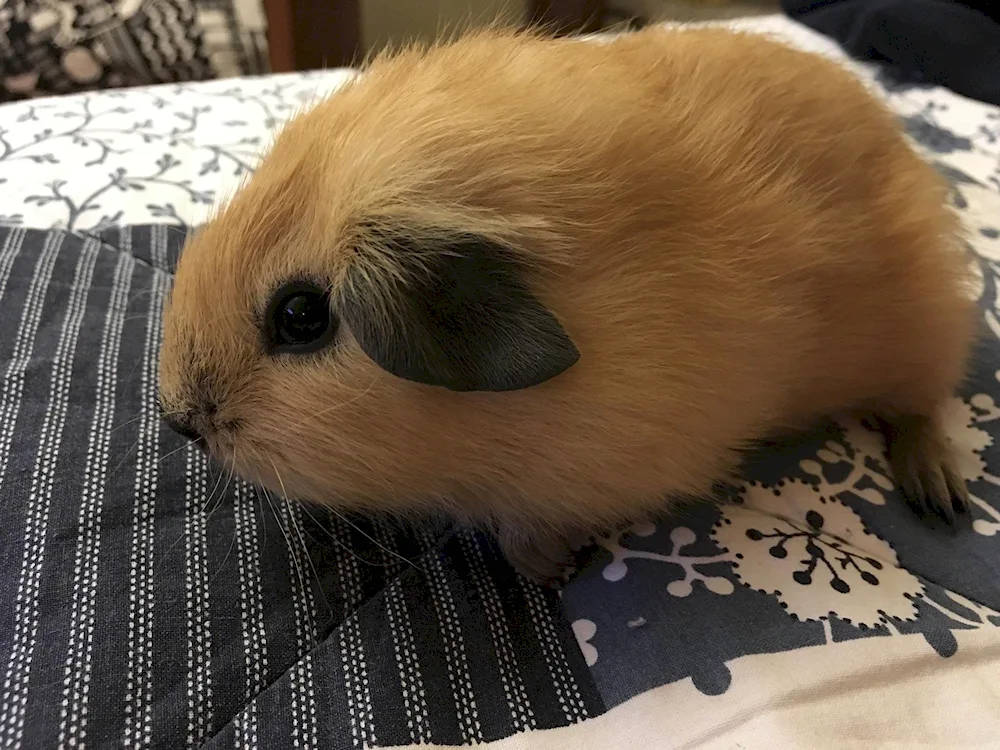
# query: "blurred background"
{"type": "Point", "coordinates": [390, 21]}
{"type": "Point", "coordinates": [299, 35]}
{"type": "Point", "coordinates": [60, 46]}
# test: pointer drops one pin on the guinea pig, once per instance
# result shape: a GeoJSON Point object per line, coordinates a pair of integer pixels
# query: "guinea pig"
{"type": "Point", "coordinates": [546, 286]}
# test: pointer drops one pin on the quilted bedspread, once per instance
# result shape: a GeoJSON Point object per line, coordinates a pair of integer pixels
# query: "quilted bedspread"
{"type": "Point", "coordinates": [146, 600]}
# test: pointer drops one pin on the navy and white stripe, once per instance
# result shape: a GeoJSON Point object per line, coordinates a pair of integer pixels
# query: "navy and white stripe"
{"type": "Point", "coordinates": [352, 647]}
{"type": "Point", "coordinates": [304, 695]}
{"type": "Point", "coordinates": [252, 621]}
{"type": "Point", "coordinates": [450, 625]}
{"type": "Point", "coordinates": [199, 633]}
{"type": "Point", "coordinates": [141, 591]}
{"type": "Point", "coordinates": [141, 615]}
{"type": "Point", "coordinates": [563, 679]}
{"type": "Point", "coordinates": [86, 564]}
{"type": "Point", "coordinates": [18, 359]}
{"type": "Point", "coordinates": [16, 683]}
{"type": "Point", "coordinates": [518, 703]}
{"type": "Point", "coordinates": [404, 646]}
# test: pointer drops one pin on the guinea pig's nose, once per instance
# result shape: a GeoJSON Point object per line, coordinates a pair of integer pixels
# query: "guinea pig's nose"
{"type": "Point", "coordinates": [183, 428]}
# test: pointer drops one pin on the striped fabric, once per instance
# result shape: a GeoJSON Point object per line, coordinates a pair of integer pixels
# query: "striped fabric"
{"type": "Point", "coordinates": [148, 600]}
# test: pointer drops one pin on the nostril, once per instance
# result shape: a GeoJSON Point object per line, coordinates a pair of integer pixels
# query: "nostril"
{"type": "Point", "coordinates": [182, 428]}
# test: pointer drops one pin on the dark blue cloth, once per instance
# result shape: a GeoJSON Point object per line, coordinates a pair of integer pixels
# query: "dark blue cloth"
{"type": "Point", "coordinates": [951, 44]}
{"type": "Point", "coordinates": [147, 601]}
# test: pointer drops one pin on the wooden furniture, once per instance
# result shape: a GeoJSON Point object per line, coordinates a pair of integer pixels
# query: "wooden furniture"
{"type": "Point", "coordinates": [311, 34]}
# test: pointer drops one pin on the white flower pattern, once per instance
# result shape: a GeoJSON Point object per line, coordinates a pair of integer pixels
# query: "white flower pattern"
{"type": "Point", "coordinates": [827, 566]}
{"type": "Point", "coordinates": [584, 630]}
{"type": "Point", "coordinates": [680, 537]}
{"type": "Point", "coordinates": [862, 452]}
{"type": "Point", "coordinates": [163, 154]}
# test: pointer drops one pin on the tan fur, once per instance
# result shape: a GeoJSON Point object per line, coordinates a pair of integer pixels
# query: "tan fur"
{"type": "Point", "coordinates": [735, 235]}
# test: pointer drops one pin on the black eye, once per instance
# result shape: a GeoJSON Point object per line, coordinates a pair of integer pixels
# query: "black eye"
{"type": "Point", "coordinates": [299, 319]}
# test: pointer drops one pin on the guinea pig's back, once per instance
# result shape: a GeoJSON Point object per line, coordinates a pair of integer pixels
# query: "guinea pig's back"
{"type": "Point", "coordinates": [777, 243]}
{"type": "Point", "coordinates": [838, 207]}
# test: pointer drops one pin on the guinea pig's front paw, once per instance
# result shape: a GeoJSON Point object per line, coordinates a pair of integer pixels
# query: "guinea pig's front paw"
{"type": "Point", "coordinates": [545, 558]}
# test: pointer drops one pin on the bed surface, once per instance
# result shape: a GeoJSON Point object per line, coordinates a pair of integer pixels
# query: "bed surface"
{"type": "Point", "coordinates": [146, 601]}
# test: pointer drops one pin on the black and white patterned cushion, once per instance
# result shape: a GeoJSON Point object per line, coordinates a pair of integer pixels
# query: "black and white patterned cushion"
{"type": "Point", "coordinates": [58, 46]}
{"type": "Point", "coordinates": [235, 34]}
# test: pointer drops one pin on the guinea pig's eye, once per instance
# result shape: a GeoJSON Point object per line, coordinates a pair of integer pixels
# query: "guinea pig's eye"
{"type": "Point", "coordinates": [298, 319]}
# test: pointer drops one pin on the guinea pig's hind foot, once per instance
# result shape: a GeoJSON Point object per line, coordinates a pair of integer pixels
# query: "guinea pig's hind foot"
{"type": "Point", "coordinates": [545, 557]}
{"type": "Point", "coordinates": [923, 464]}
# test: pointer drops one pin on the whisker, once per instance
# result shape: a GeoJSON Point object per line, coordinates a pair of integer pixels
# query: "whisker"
{"type": "Point", "coordinates": [166, 553]}
{"type": "Point", "coordinates": [260, 504]}
{"type": "Point", "coordinates": [226, 557]}
{"type": "Point", "coordinates": [340, 543]}
{"type": "Point", "coordinates": [175, 451]}
{"type": "Point", "coordinates": [293, 521]}
{"type": "Point", "coordinates": [126, 423]}
{"type": "Point", "coordinates": [281, 483]}
{"type": "Point", "coordinates": [127, 455]}
{"type": "Point", "coordinates": [211, 494]}
{"type": "Point", "coordinates": [373, 540]}
{"type": "Point", "coordinates": [229, 482]}
{"type": "Point", "coordinates": [346, 547]}
{"type": "Point", "coordinates": [294, 560]}
{"type": "Point", "coordinates": [342, 404]}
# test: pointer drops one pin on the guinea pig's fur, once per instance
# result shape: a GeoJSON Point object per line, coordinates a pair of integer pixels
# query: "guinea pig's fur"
{"type": "Point", "coordinates": [572, 281]}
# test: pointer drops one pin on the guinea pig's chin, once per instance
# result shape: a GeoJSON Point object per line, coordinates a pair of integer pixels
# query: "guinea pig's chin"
{"type": "Point", "coordinates": [281, 481]}
{"type": "Point", "coordinates": [257, 468]}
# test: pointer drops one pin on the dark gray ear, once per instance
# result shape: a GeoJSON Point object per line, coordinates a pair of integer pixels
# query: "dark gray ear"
{"type": "Point", "coordinates": [463, 319]}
